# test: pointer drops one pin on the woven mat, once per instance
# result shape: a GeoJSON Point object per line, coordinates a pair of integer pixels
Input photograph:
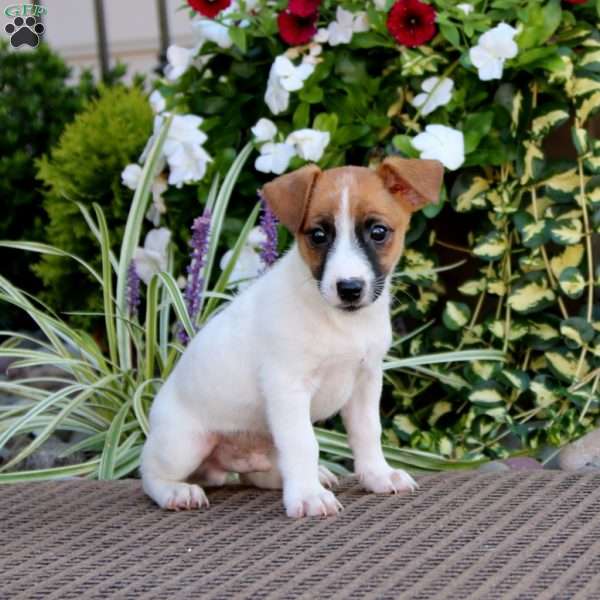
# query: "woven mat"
{"type": "Point", "coordinates": [518, 534]}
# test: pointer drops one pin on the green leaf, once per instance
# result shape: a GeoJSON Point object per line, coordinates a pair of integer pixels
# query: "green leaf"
{"type": "Point", "coordinates": [567, 365]}
{"type": "Point", "coordinates": [533, 233]}
{"type": "Point", "coordinates": [572, 282]}
{"type": "Point", "coordinates": [547, 118]}
{"type": "Point", "coordinates": [404, 145]}
{"type": "Point", "coordinates": [131, 237]}
{"type": "Point", "coordinates": [350, 133]}
{"type": "Point", "coordinates": [108, 459]}
{"type": "Point", "coordinates": [544, 390]}
{"type": "Point", "coordinates": [576, 332]}
{"type": "Point", "coordinates": [515, 378]}
{"type": "Point", "coordinates": [563, 186]}
{"type": "Point", "coordinates": [404, 426]}
{"type": "Point", "coordinates": [238, 37]}
{"type": "Point", "coordinates": [531, 295]}
{"type": "Point", "coordinates": [571, 257]}
{"type": "Point", "coordinates": [107, 285]}
{"type": "Point", "coordinates": [472, 287]}
{"type": "Point", "coordinates": [566, 232]}
{"type": "Point", "coordinates": [487, 395]}
{"type": "Point", "coordinates": [456, 315]}
{"type": "Point", "coordinates": [491, 247]}
{"type": "Point", "coordinates": [581, 140]}
{"type": "Point", "coordinates": [326, 122]}
{"type": "Point", "coordinates": [540, 23]}
{"type": "Point", "coordinates": [450, 32]}
{"type": "Point", "coordinates": [301, 116]}
{"type": "Point", "coordinates": [470, 194]}
{"type": "Point", "coordinates": [589, 107]}
{"type": "Point", "coordinates": [476, 127]}
{"type": "Point", "coordinates": [312, 94]}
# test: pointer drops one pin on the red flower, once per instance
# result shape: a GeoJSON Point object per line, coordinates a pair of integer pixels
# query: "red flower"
{"type": "Point", "coordinates": [303, 8]}
{"type": "Point", "coordinates": [576, 1]}
{"type": "Point", "coordinates": [294, 30]}
{"type": "Point", "coordinates": [209, 8]}
{"type": "Point", "coordinates": [411, 22]}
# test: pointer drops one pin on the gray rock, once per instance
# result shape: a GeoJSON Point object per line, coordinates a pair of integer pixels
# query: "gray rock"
{"type": "Point", "coordinates": [493, 467]}
{"type": "Point", "coordinates": [583, 453]}
{"type": "Point", "coordinates": [522, 463]}
{"type": "Point", "coordinates": [48, 455]}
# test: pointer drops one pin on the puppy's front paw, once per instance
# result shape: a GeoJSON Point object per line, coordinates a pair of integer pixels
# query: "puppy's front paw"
{"type": "Point", "coordinates": [327, 478]}
{"type": "Point", "coordinates": [317, 502]}
{"type": "Point", "coordinates": [389, 481]}
{"type": "Point", "coordinates": [184, 496]}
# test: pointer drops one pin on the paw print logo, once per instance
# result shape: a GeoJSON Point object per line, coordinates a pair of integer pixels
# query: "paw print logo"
{"type": "Point", "coordinates": [24, 31]}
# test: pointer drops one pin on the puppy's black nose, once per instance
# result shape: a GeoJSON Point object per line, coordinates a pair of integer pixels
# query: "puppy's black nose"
{"type": "Point", "coordinates": [350, 290]}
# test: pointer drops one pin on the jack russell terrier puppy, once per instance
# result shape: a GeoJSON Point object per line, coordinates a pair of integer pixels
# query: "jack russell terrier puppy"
{"type": "Point", "coordinates": [305, 341]}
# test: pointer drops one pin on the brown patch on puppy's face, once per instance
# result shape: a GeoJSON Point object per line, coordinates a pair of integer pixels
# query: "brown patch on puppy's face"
{"type": "Point", "coordinates": [379, 223]}
{"type": "Point", "coordinates": [350, 222]}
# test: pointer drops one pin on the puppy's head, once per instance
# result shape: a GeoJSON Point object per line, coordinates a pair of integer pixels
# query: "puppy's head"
{"type": "Point", "coordinates": [350, 222]}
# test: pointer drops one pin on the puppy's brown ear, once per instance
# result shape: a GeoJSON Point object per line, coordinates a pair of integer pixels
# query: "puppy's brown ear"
{"type": "Point", "coordinates": [413, 182]}
{"type": "Point", "coordinates": [289, 195]}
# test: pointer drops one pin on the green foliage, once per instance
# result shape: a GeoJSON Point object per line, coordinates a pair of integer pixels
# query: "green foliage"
{"type": "Point", "coordinates": [35, 105]}
{"type": "Point", "coordinates": [85, 167]}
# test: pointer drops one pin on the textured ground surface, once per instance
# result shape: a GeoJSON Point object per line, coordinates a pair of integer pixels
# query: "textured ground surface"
{"type": "Point", "coordinates": [517, 534]}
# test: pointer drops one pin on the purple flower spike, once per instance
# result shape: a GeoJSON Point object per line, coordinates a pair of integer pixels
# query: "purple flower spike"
{"type": "Point", "coordinates": [133, 289]}
{"type": "Point", "coordinates": [268, 224]}
{"type": "Point", "coordinates": [195, 283]}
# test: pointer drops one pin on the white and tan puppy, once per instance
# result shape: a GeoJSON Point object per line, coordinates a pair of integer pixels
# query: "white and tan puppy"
{"type": "Point", "coordinates": [305, 341]}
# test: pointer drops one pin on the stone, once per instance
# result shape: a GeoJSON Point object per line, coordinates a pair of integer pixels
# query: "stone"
{"type": "Point", "coordinates": [493, 466]}
{"type": "Point", "coordinates": [522, 463]}
{"type": "Point", "coordinates": [583, 453]}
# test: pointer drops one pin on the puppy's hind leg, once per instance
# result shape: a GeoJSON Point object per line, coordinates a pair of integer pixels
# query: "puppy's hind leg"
{"type": "Point", "coordinates": [169, 457]}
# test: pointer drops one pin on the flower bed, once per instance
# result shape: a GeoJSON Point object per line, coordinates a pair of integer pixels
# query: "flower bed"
{"type": "Point", "coordinates": [504, 264]}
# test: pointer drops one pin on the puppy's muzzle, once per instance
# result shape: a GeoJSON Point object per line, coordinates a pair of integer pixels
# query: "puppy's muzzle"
{"type": "Point", "coordinates": [350, 292]}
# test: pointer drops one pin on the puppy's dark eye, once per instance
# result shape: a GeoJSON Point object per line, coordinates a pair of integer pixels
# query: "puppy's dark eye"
{"type": "Point", "coordinates": [378, 233]}
{"type": "Point", "coordinates": [318, 236]}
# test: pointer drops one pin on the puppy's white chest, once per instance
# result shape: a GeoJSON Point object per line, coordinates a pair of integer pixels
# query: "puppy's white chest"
{"type": "Point", "coordinates": [336, 381]}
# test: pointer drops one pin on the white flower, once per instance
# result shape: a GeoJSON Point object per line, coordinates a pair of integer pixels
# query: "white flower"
{"type": "Point", "coordinates": [184, 129]}
{"type": "Point", "coordinates": [274, 158]}
{"type": "Point", "coordinates": [183, 149]}
{"type": "Point", "coordinates": [322, 36]}
{"type": "Point", "coordinates": [180, 60]}
{"type": "Point", "coordinates": [285, 77]}
{"type": "Point", "coordinates": [465, 7]}
{"type": "Point", "coordinates": [345, 25]}
{"type": "Point", "coordinates": [380, 4]}
{"type": "Point", "coordinates": [276, 98]}
{"type": "Point", "coordinates": [158, 206]}
{"type": "Point", "coordinates": [441, 143]}
{"type": "Point", "coordinates": [313, 56]}
{"type": "Point", "coordinates": [209, 30]}
{"type": "Point", "coordinates": [187, 164]}
{"type": "Point", "coordinates": [249, 265]}
{"type": "Point", "coordinates": [436, 92]}
{"type": "Point", "coordinates": [264, 130]}
{"type": "Point", "coordinates": [309, 143]}
{"type": "Point", "coordinates": [290, 76]}
{"type": "Point", "coordinates": [130, 176]}
{"type": "Point", "coordinates": [153, 257]}
{"type": "Point", "coordinates": [360, 23]}
{"type": "Point", "coordinates": [493, 48]}
{"type": "Point", "coordinates": [157, 101]}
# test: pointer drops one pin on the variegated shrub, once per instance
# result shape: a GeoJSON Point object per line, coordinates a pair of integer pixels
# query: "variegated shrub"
{"type": "Point", "coordinates": [507, 260]}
